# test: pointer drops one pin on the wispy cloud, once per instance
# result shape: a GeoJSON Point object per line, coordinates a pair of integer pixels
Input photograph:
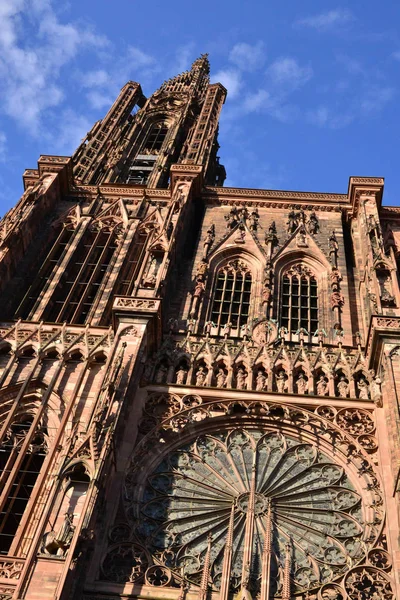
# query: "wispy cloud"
{"type": "Point", "coordinates": [324, 116]}
{"type": "Point", "coordinates": [231, 79]}
{"type": "Point", "coordinates": [330, 20]}
{"type": "Point", "coordinates": [247, 57]}
{"type": "Point", "coordinates": [287, 72]}
{"type": "Point", "coordinates": [3, 146]}
{"type": "Point", "coordinates": [34, 47]}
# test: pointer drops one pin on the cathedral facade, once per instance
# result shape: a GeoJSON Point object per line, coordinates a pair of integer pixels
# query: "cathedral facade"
{"type": "Point", "coordinates": [199, 385]}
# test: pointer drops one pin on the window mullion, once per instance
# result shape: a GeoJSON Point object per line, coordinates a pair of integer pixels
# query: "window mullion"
{"type": "Point", "coordinates": [290, 304]}
{"type": "Point", "coordinates": [232, 296]}
{"type": "Point", "coordinates": [221, 307]}
{"type": "Point", "coordinates": [89, 284]}
{"type": "Point", "coordinates": [66, 303]}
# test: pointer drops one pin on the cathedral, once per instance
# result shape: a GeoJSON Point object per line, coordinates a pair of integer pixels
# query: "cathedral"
{"type": "Point", "coordinates": [199, 385]}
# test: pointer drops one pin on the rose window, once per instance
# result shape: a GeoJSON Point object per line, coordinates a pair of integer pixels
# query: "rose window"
{"type": "Point", "coordinates": [268, 493]}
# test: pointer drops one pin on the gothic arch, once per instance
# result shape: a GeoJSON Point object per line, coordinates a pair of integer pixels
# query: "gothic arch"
{"type": "Point", "coordinates": [244, 260]}
{"type": "Point", "coordinates": [316, 266]}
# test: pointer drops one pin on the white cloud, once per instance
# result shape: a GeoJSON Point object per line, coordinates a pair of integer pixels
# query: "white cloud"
{"type": "Point", "coordinates": [324, 116]}
{"type": "Point", "coordinates": [247, 57]}
{"type": "Point", "coordinates": [73, 130]}
{"type": "Point", "coordinates": [260, 100]}
{"type": "Point", "coordinates": [286, 71]}
{"type": "Point", "coordinates": [34, 47]}
{"type": "Point", "coordinates": [332, 19]}
{"type": "Point", "coordinates": [3, 146]}
{"type": "Point", "coordinates": [231, 79]}
{"type": "Point", "coordinates": [376, 98]}
{"type": "Point", "coordinates": [139, 58]}
{"type": "Point", "coordinates": [94, 79]}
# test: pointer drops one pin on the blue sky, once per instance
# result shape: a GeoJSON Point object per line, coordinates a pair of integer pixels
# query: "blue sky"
{"type": "Point", "coordinates": [313, 85]}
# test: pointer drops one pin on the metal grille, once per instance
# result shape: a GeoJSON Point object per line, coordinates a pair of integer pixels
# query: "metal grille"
{"type": "Point", "coordinates": [299, 308]}
{"type": "Point", "coordinates": [231, 299]}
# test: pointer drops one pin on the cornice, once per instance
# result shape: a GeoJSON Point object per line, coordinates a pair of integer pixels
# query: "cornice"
{"type": "Point", "coordinates": [276, 198]}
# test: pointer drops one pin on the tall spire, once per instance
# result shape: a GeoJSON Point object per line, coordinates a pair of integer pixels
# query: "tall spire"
{"type": "Point", "coordinates": [194, 81]}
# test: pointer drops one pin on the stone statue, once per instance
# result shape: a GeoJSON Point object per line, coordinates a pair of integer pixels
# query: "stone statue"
{"type": "Point", "coordinates": [181, 375]}
{"type": "Point", "coordinates": [58, 542]}
{"type": "Point", "coordinates": [202, 270]}
{"type": "Point", "coordinates": [322, 386]}
{"type": "Point", "coordinates": [313, 223]}
{"type": "Point", "coordinates": [221, 378]}
{"type": "Point", "coordinates": [208, 325]}
{"type": "Point", "coordinates": [254, 218]}
{"type": "Point", "coordinates": [292, 221]}
{"type": "Point", "coordinates": [261, 381]}
{"type": "Point", "coordinates": [199, 289]}
{"type": "Point", "coordinates": [245, 331]}
{"type": "Point", "coordinates": [226, 331]}
{"type": "Point", "coordinates": [362, 387]}
{"type": "Point", "coordinates": [301, 383]}
{"type": "Point", "coordinates": [337, 300]}
{"type": "Point", "coordinates": [232, 219]}
{"type": "Point", "coordinates": [241, 379]}
{"type": "Point", "coordinates": [281, 382]}
{"type": "Point", "coordinates": [375, 388]}
{"type": "Point", "coordinates": [201, 376]}
{"type": "Point", "coordinates": [343, 387]}
{"type": "Point", "coordinates": [266, 294]}
{"type": "Point", "coordinates": [161, 374]}
{"type": "Point", "coordinates": [209, 240]}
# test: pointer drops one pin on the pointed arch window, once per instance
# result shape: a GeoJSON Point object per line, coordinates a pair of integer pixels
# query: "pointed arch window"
{"type": "Point", "coordinates": [17, 488]}
{"type": "Point", "coordinates": [155, 138]}
{"type": "Point", "coordinates": [81, 281]}
{"type": "Point", "coordinates": [299, 299]}
{"type": "Point", "coordinates": [231, 297]}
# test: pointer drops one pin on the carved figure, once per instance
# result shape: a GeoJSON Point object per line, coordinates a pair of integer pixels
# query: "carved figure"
{"type": "Point", "coordinates": [208, 325]}
{"type": "Point", "coordinates": [202, 270]}
{"type": "Point", "coordinates": [201, 376]}
{"type": "Point", "coordinates": [313, 223]}
{"type": "Point", "coordinates": [335, 277]}
{"type": "Point", "coordinates": [199, 289]}
{"type": "Point", "coordinates": [254, 218]}
{"type": "Point", "coordinates": [281, 381]}
{"type": "Point", "coordinates": [61, 540]}
{"type": "Point", "coordinates": [161, 374]}
{"type": "Point", "coordinates": [209, 240]}
{"type": "Point", "coordinates": [375, 389]}
{"type": "Point", "coordinates": [241, 379]}
{"type": "Point", "coordinates": [362, 387]}
{"type": "Point", "coordinates": [227, 329]}
{"type": "Point", "coordinates": [232, 219]}
{"type": "Point", "coordinates": [333, 243]}
{"type": "Point", "coordinates": [343, 387]}
{"type": "Point", "coordinates": [241, 234]}
{"type": "Point", "coordinates": [266, 294]}
{"type": "Point", "coordinates": [301, 239]}
{"type": "Point", "coordinates": [261, 381]}
{"type": "Point", "coordinates": [301, 383]}
{"type": "Point", "coordinates": [221, 378]}
{"type": "Point", "coordinates": [322, 386]}
{"type": "Point", "coordinates": [181, 375]}
{"type": "Point", "coordinates": [172, 325]}
{"type": "Point", "coordinates": [245, 331]}
{"type": "Point", "coordinates": [292, 221]}
{"type": "Point", "coordinates": [337, 299]}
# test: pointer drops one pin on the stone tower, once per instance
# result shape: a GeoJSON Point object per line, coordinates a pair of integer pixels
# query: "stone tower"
{"type": "Point", "coordinates": [198, 385]}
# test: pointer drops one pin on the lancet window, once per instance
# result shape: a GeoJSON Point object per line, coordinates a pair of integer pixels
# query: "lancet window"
{"type": "Point", "coordinates": [155, 138]}
{"type": "Point", "coordinates": [53, 260]}
{"type": "Point", "coordinates": [299, 299]}
{"type": "Point", "coordinates": [231, 297]}
{"type": "Point", "coordinates": [18, 474]}
{"type": "Point", "coordinates": [84, 275]}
